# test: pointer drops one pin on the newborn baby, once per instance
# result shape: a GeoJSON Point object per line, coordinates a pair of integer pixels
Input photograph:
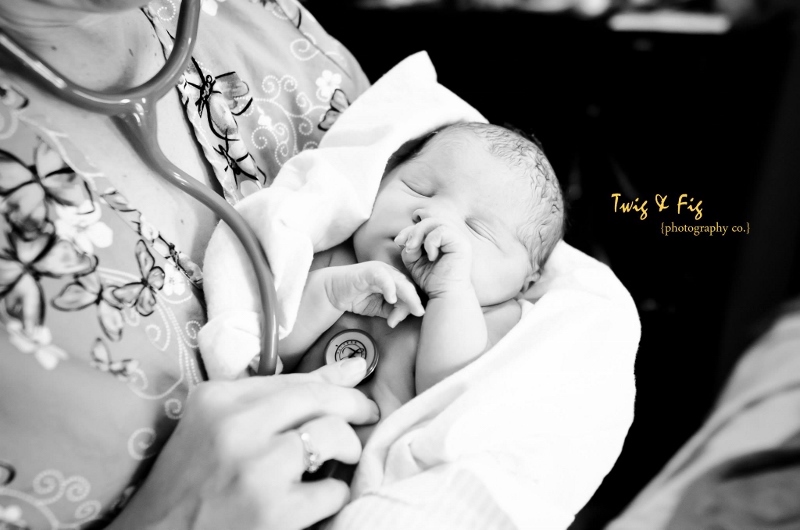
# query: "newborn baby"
{"type": "Point", "coordinates": [464, 221]}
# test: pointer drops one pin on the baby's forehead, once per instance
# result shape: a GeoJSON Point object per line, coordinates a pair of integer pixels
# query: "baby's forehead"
{"type": "Point", "coordinates": [464, 155]}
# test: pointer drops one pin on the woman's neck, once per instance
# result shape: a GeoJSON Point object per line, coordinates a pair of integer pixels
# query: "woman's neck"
{"type": "Point", "coordinates": [100, 51]}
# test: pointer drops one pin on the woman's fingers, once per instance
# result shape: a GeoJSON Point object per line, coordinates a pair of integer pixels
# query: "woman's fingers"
{"type": "Point", "coordinates": [327, 437]}
{"type": "Point", "coordinates": [271, 482]}
{"type": "Point", "coordinates": [346, 373]}
{"type": "Point", "coordinates": [293, 406]}
{"type": "Point", "coordinates": [331, 438]}
{"type": "Point", "coordinates": [309, 502]}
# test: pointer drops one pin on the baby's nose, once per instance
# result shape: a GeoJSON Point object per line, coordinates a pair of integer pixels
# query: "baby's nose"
{"type": "Point", "coordinates": [424, 213]}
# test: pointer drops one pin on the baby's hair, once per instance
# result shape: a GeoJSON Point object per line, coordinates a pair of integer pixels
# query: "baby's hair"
{"type": "Point", "coordinates": [545, 224]}
{"type": "Point", "coordinates": [408, 151]}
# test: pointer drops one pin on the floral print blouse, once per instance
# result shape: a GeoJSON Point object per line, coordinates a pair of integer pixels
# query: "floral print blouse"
{"type": "Point", "coordinates": [99, 312]}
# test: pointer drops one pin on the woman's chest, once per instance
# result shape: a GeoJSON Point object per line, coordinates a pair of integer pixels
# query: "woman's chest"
{"type": "Point", "coordinates": [105, 151]}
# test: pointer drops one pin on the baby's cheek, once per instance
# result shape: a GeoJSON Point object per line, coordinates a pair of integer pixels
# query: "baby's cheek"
{"type": "Point", "coordinates": [498, 281]}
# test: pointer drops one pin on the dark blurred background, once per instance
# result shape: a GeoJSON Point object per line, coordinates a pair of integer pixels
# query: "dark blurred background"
{"type": "Point", "coordinates": [640, 99]}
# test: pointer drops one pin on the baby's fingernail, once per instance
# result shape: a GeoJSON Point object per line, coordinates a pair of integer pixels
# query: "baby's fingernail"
{"type": "Point", "coordinates": [353, 366]}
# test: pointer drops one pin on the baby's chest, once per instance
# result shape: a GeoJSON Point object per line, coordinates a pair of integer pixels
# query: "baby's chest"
{"type": "Point", "coordinates": [392, 382]}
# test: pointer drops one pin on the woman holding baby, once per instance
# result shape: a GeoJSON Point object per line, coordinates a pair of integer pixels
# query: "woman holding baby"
{"type": "Point", "coordinates": [106, 418]}
{"type": "Point", "coordinates": [101, 276]}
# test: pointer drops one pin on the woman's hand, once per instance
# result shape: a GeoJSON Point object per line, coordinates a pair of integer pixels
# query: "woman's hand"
{"type": "Point", "coordinates": [236, 458]}
{"type": "Point", "coordinates": [373, 289]}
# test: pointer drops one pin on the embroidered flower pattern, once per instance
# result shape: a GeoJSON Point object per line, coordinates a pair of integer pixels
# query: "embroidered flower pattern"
{"type": "Point", "coordinates": [83, 227]}
{"type": "Point", "coordinates": [339, 104]}
{"type": "Point", "coordinates": [141, 295]}
{"type": "Point", "coordinates": [101, 360]}
{"type": "Point", "coordinates": [174, 282]}
{"type": "Point", "coordinates": [7, 473]}
{"type": "Point", "coordinates": [181, 261]}
{"type": "Point", "coordinates": [89, 290]}
{"type": "Point", "coordinates": [92, 291]}
{"type": "Point", "coordinates": [36, 341]}
{"type": "Point", "coordinates": [11, 518]}
{"type": "Point", "coordinates": [210, 7]}
{"type": "Point", "coordinates": [24, 263]}
{"type": "Point", "coordinates": [27, 194]}
{"type": "Point", "coordinates": [116, 201]}
{"type": "Point", "coordinates": [221, 98]}
{"type": "Point", "coordinates": [10, 101]}
{"type": "Point", "coordinates": [327, 83]}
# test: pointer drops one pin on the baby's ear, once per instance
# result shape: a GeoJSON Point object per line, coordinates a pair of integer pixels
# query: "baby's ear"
{"type": "Point", "coordinates": [530, 279]}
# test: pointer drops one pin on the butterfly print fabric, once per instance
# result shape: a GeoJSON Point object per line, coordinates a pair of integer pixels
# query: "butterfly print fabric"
{"type": "Point", "coordinates": [99, 310]}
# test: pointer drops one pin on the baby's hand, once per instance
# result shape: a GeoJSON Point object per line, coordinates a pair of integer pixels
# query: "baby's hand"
{"type": "Point", "coordinates": [373, 289]}
{"type": "Point", "coordinates": [438, 255]}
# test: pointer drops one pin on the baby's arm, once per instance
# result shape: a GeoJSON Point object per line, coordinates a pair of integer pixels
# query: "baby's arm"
{"type": "Point", "coordinates": [453, 334]}
{"type": "Point", "coordinates": [371, 288]}
{"type": "Point", "coordinates": [454, 331]}
{"type": "Point", "coordinates": [316, 312]}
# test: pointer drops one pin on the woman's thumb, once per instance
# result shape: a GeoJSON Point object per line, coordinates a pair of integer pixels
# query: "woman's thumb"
{"type": "Point", "coordinates": [348, 372]}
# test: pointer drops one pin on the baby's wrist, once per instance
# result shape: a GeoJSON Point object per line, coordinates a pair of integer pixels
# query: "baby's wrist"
{"type": "Point", "coordinates": [455, 289]}
{"type": "Point", "coordinates": [328, 280]}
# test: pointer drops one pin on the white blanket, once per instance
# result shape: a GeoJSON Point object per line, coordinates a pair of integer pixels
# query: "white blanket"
{"type": "Point", "coordinates": [317, 201]}
{"type": "Point", "coordinates": [522, 437]}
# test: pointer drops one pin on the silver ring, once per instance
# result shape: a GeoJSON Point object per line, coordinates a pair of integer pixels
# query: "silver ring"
{"type": "Point", "coordinates": [311, 458]}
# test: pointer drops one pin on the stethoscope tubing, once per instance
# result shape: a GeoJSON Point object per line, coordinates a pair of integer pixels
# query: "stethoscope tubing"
{"type": "Point", "coordinates": [134, 113]}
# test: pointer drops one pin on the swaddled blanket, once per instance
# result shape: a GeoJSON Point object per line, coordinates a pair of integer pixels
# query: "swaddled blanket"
{"type": "Point", "coordinates": [523, 436]}
{"type": "Point", "coordinates": [317, 201]}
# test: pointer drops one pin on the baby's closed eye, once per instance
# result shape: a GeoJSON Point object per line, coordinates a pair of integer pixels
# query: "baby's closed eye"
{"type": "Point", "coordinates": [419, 189]}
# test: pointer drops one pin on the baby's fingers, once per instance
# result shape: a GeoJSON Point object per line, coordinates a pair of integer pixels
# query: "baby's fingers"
{"type": "Point", "coordinates": [407, 294]}
{"type": "Point", "coordinates": [402, 238]}
{"type": "Point", "coordinates": [384, 282]}
{"type": "Point", "coordinates": [419, 232]}
{"type": "Point", "coordinates": [397, 315]}
{"type": "Point", "coordinates": [433, 243]}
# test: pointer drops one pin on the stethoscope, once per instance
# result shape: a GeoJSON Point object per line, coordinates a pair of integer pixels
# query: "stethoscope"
{"type": "Point", "coordinates": [134, 113]}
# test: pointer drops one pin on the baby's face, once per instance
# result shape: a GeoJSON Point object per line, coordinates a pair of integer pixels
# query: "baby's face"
{"type": "Point", "coordinates": [454, 177]}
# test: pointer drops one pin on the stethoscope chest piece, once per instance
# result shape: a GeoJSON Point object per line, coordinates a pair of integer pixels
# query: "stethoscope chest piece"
{"type": "Point", "coordinates": [352, 343]}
